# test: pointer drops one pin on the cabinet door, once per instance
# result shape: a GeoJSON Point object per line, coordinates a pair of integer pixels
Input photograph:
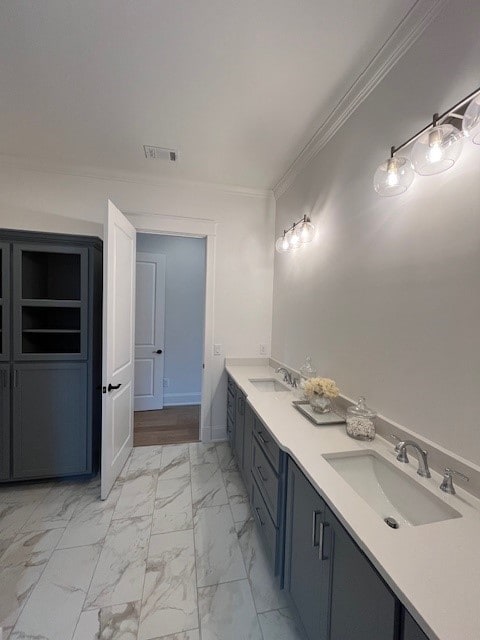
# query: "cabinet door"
{"type": "Point", "coordinates": [4, 301]}
{"type": "Point", "coordinates": [411, 630]}
{"type": "Point", "coordinates": [362, 606]}
{"type": "Point", "coordinates": [247, 448]}
{"type": "Point", "coordinates": [306, 573]}
{"type": "Point", "coordinates": [4, 422]}
{"type": "Point", "coordinates": [51, 430]}
{"type": "Point", "coordinates": [239, 426]}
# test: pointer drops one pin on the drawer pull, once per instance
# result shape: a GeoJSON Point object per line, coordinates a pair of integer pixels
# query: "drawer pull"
{"type": "Point", "coordinates": [315, 515]}
{"type": "Point", "coordinates": [257, 509]}
{"type": "Point", "coordinates": [264, 478]}
{"type": "Point", "coordinates": [262, 438]}
{"type": "Point", "coordinates": [321, 555]}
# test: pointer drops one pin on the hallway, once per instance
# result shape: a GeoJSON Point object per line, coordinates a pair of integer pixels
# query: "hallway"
{"type": "Point", "coordinates": [172, 554]}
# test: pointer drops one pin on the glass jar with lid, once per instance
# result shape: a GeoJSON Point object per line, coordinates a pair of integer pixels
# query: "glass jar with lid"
{"type": "Point", "coordinates": [306, 372]}
{"type": "Point", "coordinates": [361, 421]}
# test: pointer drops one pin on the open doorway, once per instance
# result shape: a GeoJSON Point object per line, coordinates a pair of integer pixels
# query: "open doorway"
{"type": "Point", "coordinates": [169, 338]}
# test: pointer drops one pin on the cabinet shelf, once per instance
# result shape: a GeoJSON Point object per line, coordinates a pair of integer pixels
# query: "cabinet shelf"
{"type": "Point", "coordinates": [38, 302]}
{"type": "Point", "coordinates": [51, 330]}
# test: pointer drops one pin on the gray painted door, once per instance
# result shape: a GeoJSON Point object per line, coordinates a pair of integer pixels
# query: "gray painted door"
{"type": "Point", "coordinates": [306, 573]}
{"type": "Point", "coordinates": [239, 426]}
{"type": "Point", "coordinates": [4, 301]}
{"type": "Point", "coordinates": [4, 421]}
{"type": "Point", "coordinates": [51, 429]}
{"type": "Point", "coordinates": [247, 448]}
{"type": "Point", "coordinates": [363, 607]}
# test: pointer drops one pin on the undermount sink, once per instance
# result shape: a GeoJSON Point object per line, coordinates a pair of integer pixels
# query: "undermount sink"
{"type": "Point", "coordinates": [388, 491]}
{"type": "Point", "coordinates": [268, 384]}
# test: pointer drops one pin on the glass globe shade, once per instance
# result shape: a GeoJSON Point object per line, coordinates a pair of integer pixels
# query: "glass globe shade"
{"type": "Point", "coordinates": [393, 176]}
{"type": "Point", "coordinates": [306, 231]}
{"type": "Point", "coordinates": [471, 120]}
{"type": "Point", "coordinates": [437, 150]}
{"type": "Point", "coordinates": [282, 244]}
{"type": "Point", "coordinates": [293, 238]}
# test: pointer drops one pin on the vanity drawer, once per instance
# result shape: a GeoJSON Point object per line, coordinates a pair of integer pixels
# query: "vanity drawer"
{"type": "Point", "coordinates": [231, 385]}
{"type": "Point", "coordinates": [231, 405]}
{"type": "Point", "coordinates": [268, 444]}
{"type": "Point", "coordinates": [265, 524]}
{"type": "Point", "coordinates": [267, 479]}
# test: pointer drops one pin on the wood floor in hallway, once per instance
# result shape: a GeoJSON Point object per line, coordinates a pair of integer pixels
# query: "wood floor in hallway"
{"type": "Point", "coordinates": [171, 425]}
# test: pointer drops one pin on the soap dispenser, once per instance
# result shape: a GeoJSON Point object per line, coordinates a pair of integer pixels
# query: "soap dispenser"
{"type": "Point", "coordinates": [306, 372]}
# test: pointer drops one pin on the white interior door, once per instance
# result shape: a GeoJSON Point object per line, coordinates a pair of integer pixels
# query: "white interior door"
{"type": "Point", "coordinates": [118, 344]}
{"type": "Point", "coordinates": [149, 331]}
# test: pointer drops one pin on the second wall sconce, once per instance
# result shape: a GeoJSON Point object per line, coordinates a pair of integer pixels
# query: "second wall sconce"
{"type": "Point", "coordinates": [298, 233]}
{"type": "Point", "coordinates": [436, 147]}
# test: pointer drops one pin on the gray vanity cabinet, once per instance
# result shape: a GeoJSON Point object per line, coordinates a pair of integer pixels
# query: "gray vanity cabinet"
{"type": "Point", "coordinates": [411, 630]}
{"type": "Point", "coordinates": [306, 573]}
{"type": "Point", "coordinates": [4, 421]}
{"type": "Point", "coordinates": [231, 401]}
{"type": "Point", "coordinates": [51, 434]}
{"type": "Point", "coordinates": [362, 606]}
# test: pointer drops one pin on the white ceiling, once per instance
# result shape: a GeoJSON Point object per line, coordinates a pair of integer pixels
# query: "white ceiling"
{"type": "Point", "coordinates": [238, 87]}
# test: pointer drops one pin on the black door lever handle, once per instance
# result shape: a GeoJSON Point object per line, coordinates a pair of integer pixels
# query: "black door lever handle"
{"type": "Point", "coordinates": [112, 387]}
{"type": "Point", "coordinates": [159, 351]}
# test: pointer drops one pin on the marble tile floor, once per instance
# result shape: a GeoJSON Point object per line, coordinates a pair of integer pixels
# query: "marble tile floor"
{"type": "Point", "coordinates": [172, 554]}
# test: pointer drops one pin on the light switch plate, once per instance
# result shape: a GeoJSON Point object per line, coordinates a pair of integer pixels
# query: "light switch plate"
{"type": "Point", "coordinates": [217, 349]}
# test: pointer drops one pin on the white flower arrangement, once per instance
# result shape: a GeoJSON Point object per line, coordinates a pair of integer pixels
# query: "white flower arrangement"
{"type": "Point", "coordinates": [320, 387]}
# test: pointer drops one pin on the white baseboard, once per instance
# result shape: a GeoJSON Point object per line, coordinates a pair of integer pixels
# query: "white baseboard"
{"type": "Point", "coordinates": [219, 434]}
{"type": "Point", "coordinates": [180, 399]}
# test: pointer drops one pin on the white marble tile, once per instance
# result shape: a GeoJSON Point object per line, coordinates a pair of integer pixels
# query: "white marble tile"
{"type": "Point", "coordinates": [137, 497]}
{"type": "Point", "coordinates": [265, 591]}
{"type": "Point", "coordinates": [120, 622]}
{"type": "Point", "coordinates": [169, 597]}
{"type": "Point", "coordinates": [88, 626]}
{"type": "Point", "coordinates": [208, 488]}
{"type": "Point", "coordinates": [120, 571]}
{"type": "Point", "coordinates": [173, 505]}
{"type": "Point", "coordinates": [237, 495]}
{"type": "Point", "coordinates": [6, 631]}
{"type": "Point", "coordinates": [175, 461]}
{"type": "Point", "coordinates": [200, 453]}
{"type": "Point", "coordinates": [31, 548]}
{"type": "Point", "coordinates": [12, 518]}
{"type": "Point", "coordinates": [218, 554]}
{"type": "Point", "coordinates": [280, 625]}
{"type": "Point", "coordinates": [16, 584]}
{"type": "Point", "coordinates": [56, 510]}
{"type": "Point", "coordinates": [226, 458]}
{"type": "Point", "coordinates": [60, 592]}
{"type": "Point", "coordinates": [227, 611]}
{"type": "Point", "coordinates": [145, 459]}
{"type": "Point", "coordinates": [30, 493]}
{"type": "Point", "coordinates": [193, 634]}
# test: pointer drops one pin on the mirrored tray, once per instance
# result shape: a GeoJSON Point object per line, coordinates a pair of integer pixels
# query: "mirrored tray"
{"type": "Point", "coordinates": [319, 419]}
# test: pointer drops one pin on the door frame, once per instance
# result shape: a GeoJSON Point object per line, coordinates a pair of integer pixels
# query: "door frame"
{"type": "Point", "coordinates": [196, 228]}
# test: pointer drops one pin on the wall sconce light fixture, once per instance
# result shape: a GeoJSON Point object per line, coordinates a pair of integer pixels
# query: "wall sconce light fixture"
{"type": "Point", "coordinates": [436, 147]}
{"type": "Point", "coordinates": [298, 233]}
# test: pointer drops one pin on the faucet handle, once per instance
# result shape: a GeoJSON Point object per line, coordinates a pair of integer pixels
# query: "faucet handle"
{"type": "Point", "coordinates": [398, 441]}
{"type": "Point", "coordinates": [447, 482]}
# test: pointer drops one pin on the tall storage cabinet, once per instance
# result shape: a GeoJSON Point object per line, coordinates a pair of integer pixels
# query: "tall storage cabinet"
{"type": "Point", "coordinates": [51, 308]}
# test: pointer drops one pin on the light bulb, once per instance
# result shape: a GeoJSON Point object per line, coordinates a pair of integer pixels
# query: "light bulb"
{"type": "Point", "coordinates": [471, 120]}
{"type": "Point", "coordinates": [307, 230]}
{"type": "Point", "coordinates": [294, 238]}
{"type": "Point", "coordinates": [437, 150]}
{"type": "Point", "coordinates": [282, 244]}
{"type": "Point", "coordinates": [393, 176]}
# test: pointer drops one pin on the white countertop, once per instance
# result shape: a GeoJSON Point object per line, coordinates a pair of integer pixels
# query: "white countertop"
{"type": "Point", "coordinates": [434, 569]}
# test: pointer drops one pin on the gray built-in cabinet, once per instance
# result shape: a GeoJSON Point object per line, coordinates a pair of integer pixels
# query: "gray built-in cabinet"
{"type": "Point", "coordinates": [51, 302]}
{"type": "Point", "coordinates": [335, 591]}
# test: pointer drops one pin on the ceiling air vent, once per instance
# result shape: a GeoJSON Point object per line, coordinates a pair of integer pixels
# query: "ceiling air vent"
{"type": "Point", "coordinates": [159, 153]}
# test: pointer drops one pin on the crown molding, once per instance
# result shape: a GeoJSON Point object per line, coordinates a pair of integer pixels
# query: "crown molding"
{"type": "Point", "coordinates": [45, 166]}
{"type": "Point", "coordinates": [411, 27]}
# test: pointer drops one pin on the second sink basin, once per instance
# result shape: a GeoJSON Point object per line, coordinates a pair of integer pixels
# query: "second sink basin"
{"type": "Point", "coordinates": [268, 384]}
{"type": "Point", "coordinates": [390, 492]}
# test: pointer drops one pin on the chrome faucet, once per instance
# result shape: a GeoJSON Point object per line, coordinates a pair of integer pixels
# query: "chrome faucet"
{"type": "Point", "coordinates": [287, 376]}
{"type": "Point", "coordinates": [447, 482]}
{"type": "Point", "coordinates": [423, 469]}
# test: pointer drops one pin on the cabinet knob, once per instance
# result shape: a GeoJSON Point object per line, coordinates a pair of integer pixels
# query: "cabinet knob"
{"type": "Point", "coordinates": [159, 351]}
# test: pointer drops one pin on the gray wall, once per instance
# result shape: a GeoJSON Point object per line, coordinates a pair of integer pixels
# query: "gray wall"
{"type": "Point", "coordinates": [387, 297]}
{"type": "Point", "coordinates": [184, 313]}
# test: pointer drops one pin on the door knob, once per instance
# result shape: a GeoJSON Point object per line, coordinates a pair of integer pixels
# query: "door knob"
{"type": "Point", "coordinates": [159, 351]}
{"type": "Point", "coordinates": [112, 387]}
